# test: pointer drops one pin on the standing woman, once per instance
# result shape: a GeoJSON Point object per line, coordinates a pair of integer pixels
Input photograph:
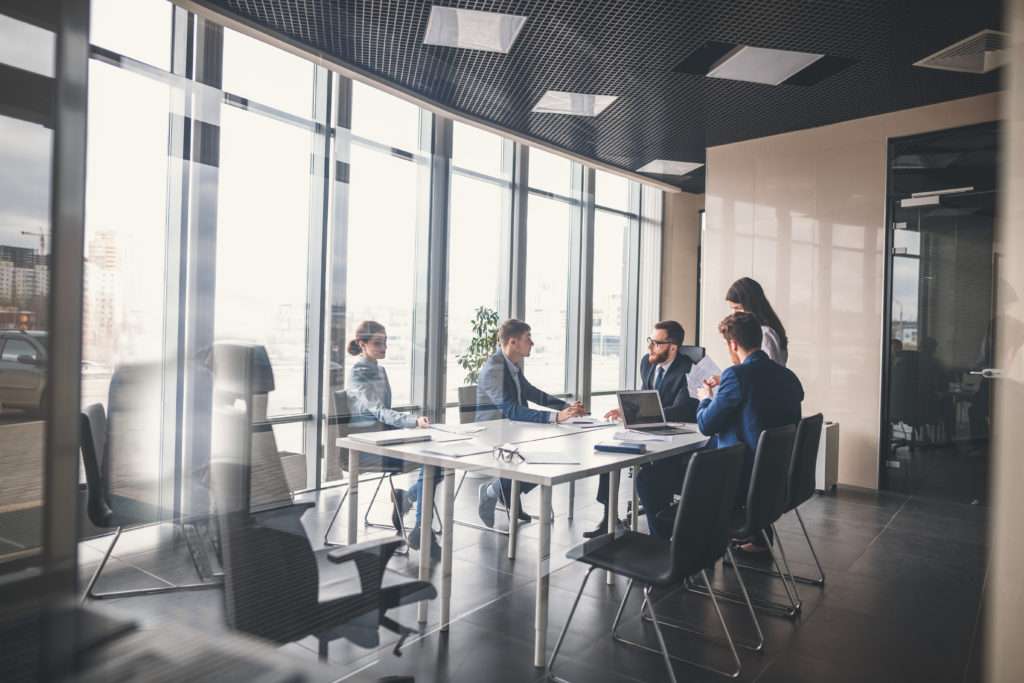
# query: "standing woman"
{"type": "Point", "coordinates": [747, 295]}
{"type": "Point", "coordinates": [369, 394]}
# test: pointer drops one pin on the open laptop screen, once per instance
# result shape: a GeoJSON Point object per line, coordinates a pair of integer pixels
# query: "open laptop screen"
{"type": "Point", "coordinates": [640, 408]}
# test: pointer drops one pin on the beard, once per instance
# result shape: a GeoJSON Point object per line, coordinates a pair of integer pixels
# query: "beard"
{"type": "Point", "coordinates": [657, 357]}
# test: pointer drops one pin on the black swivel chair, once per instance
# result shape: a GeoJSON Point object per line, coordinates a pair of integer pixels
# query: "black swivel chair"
{"type": "Point", "coordinates": [766, 501]}
{"type": "Point", "coordinates": [106, 508]}
{"type": "Point", "coordinates": [801, 487]}
{"type": "Point", "coordinates": [272, 581]}
{"type": "Point", "coordinates": [694, 353]}
{"type": "Point", "coordinates": [700, 537]}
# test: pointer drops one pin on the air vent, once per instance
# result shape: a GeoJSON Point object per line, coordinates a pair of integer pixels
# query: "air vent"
{"type": "Point", "coordinates": [978, 54]}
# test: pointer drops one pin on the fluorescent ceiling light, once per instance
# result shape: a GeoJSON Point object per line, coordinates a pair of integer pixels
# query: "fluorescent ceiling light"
{"type": "Point", "coordinates": [472, 30]}
{"type": "Point", "coordinates": [762, 64]}
{"type": "Point", "coordinates": [577, 104]}
{"type": "Point", "coordinates": [666, 167]}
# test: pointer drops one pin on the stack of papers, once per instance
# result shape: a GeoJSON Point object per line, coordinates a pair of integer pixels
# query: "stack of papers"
{"type": "Point", "coordinates": [703, 370]}
{"type": "Point", "coordinates": [459, 429]}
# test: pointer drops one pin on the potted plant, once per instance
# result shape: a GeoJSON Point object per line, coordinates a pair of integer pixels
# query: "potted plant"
{"type": "Point", "coordinates": [485, 339]}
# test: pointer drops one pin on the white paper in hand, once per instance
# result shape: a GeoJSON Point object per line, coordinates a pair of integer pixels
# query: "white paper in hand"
{"type": "Point", "coordinates": [703, 370]}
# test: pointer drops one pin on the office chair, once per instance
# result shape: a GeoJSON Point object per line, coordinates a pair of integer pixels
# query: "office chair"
{"type": "Point", "coordinates": [801, 487]}
{"type": "Point", "coordinates": [694, 353]}
{"type": "Point", "coordinates": [272, 580]}
{"type": "Point", "coordinates": [766, 500]}
{"type": "Point", "coordinates": [117, 490]}
{"type": "Point", "coordinates": [700, 537]}
{"type": "Point", "coordinates": [342, 422]}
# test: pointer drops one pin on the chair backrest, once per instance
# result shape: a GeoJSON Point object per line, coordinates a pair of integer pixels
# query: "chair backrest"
{"type": "Point", "coordinates": [805, 460]}
{"type": "Point", "coordinates": [470, 409]}
{"type": "Point", "coordinates": [343, 422]}
{"type": "Point", "coordinates": [701, 529]}
{"type": "Point", "coordinates": [94, 453]}
{"type": "Point", "coordinates": [694, 353]}
{"type": "Point", "coordinates": [271, 580]}
{"type": "Point", "coordinates": [769, 480]}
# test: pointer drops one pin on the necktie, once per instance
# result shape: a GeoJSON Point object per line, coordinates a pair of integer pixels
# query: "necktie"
{"type": "Point", "coordinates": [658, 377]}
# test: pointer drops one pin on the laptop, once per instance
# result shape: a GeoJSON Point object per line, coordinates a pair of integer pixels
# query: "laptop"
{"type": "Point", "coordinates": [642, 412]}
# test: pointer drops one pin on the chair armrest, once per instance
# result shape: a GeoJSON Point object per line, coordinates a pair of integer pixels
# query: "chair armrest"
{"type": "Point", "coordinates": [383, 545]}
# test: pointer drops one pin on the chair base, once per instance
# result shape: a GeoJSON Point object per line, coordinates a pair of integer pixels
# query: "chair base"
{"type": "Point", "coordinates": [169, 588]}
{"type": "Point", "coordinates": [820, 581]}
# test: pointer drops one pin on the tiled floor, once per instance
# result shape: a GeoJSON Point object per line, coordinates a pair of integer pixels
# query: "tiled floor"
{"type": "Point", "coordinates": [902, 600]}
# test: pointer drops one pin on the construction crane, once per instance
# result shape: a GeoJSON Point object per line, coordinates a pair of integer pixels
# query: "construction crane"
{"type": "Point", "coordinates": [42, 239]}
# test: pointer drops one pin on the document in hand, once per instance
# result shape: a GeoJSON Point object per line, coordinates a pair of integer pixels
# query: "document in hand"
{"type": "Point", "coordinates": [703, 370]}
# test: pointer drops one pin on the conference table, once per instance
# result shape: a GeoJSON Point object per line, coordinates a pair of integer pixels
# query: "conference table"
{"type": "Point", "coordinates": [573, 445]}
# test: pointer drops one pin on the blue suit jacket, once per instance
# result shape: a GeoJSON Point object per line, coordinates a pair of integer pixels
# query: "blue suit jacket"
{"type": "Point", "coordinates": [755, 395]}
{"type": "Point", "coordinates": [675, 394]}
{"type": "Point", "coordinates": [497, 396]}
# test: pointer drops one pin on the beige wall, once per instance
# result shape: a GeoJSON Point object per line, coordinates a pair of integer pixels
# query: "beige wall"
{"type": "Point", "coordinates": [1005, 596]}
{"type": "Point", "coordinates": [680, 243]}
{"type": "Point", "coordinates": [803, 213]}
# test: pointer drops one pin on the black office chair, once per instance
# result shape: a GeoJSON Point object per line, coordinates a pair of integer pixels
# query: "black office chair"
{"type": "Point", "coordinates": [767, 498]}
{"type": "Point", "coordinates": [694, 353]}
{"type": "Point", "coordinates": [272, 582]}
{"type": "Point", "coordinates": [106, 508]}
{"type": "Point", "coordinates": [700, 537]}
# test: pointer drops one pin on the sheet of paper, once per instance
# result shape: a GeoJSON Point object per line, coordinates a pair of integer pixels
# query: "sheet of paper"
{"type": "Point", "coordinates": [589, 422]}
{"type": "Point", "coordinates": [703, 370]}
{"type": "Point", "coordinates": [639, 436]}
{"type": "Point", "coordinates": [459, 449]}
{"type": "Point", "coordinates": [459, 429]}
{"type": "Point", "coordinates": [551, 459]}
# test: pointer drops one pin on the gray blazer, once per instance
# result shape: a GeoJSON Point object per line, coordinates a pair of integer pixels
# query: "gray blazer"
{"type": "Point", "coordinates": [369, 394]}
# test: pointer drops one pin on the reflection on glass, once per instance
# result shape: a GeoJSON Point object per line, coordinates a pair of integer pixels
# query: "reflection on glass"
{"type": "Point", "coordinates": [25, 150]}
{"type": "Point", "coordinates": [149, 38]}
{"type": "Point", "coordinates": [273, 77]}
{"type": "Point", "coordinates": [547, 289]}
{"type": "Point", "coordinates": [610, 267]}
{"type": "Point", "coordinates": [262, 250]}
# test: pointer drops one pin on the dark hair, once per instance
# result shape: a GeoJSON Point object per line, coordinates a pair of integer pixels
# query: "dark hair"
{"type": "Point", "coordinates": [676, 333]}
{"type": "Point", "coordinates": [749, 294]}
{"type": "Point", "coordinates": [512, 329]}
{"type": "Point", "coordinates": [364, 333]}
{"type": "Point", "coordinates": [743, 328]}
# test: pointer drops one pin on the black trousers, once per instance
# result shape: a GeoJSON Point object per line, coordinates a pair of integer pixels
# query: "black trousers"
{"type": "Point", "coordinates": [506, 488]}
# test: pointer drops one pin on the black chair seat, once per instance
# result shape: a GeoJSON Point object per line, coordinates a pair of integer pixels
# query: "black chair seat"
{"type": "Point", "coordinates": [642, 557]}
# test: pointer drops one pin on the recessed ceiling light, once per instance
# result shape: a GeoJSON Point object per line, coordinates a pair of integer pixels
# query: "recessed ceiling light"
{"type": "Point", "coordinates": [577, 104]}
{"type": "Point", "coordinates": [762, 64]}
{"type": "Point", "coordinates": [472, 30]}
{"type": "Point", "coordinates": [666, 167]}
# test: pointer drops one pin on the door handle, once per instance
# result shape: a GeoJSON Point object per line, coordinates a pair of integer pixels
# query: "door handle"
{"type": "Point", "coordinates": [988, 373]}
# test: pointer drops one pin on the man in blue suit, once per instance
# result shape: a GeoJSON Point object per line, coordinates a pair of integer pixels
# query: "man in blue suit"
{"type": "Point", "coordinates": [663, 369]}
{"type": "Point", "coordinates": [503, 391]}
{"type": "Point", "coordinates": [752, 395]}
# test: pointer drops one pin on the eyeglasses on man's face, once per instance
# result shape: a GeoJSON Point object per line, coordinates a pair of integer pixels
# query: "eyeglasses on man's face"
{"type": "Point", "coordinates": [658, 342]}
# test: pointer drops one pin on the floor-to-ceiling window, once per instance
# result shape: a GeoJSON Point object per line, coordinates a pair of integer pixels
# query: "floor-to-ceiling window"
{"type": "Point", "coordinates": [480, 208]}
{"type": "Point", "coordinates": [554, 210]}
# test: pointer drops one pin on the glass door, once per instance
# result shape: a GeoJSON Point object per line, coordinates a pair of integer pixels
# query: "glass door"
{"type": "Point", "coordinates": [938, 380]}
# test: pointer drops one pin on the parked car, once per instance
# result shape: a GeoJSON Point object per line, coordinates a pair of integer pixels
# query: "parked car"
{"type": "Point", "coordinates": [23, 370]}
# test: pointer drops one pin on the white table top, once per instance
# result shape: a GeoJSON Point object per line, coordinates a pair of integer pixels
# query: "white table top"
{"type": "Point", "coordinates": [536, 438]}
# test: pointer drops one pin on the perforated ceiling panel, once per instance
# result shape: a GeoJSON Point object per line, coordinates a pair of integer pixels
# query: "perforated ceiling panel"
{"type": "Point", "coordinates": [631, 48]}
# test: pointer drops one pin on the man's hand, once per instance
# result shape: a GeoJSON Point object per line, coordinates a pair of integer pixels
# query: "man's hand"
{"type": "Point", "coordinates": [422, 422]}
{"type": "Point", "coordinates": [707, 389]}
{"type": "Point", "coordinates": [613, 414]}
{"type": "Point", "coordinates": [574, 410]}
{"type": "Point", "coordinates": [713, 381]}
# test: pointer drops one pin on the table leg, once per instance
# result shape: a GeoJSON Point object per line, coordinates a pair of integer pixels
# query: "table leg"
{"type": "Point", "coordinates": [540, 619]}
{"type": "Point", "coordinates": [635, 516]}
{"type": "Point", "coordinates": [513, 519]}
{"type": "Point", "coordinates": [447, 520]}
{"type": "Point", "coordinates": [572, 499]}
{"type": "Point", "coordinates": [353, 496]}
{"type": "Point", "coordinates": [426, 520]}
{"type": "Point", "coordinates": [613, 510]}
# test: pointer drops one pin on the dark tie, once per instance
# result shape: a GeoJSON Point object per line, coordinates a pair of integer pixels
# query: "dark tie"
{"type": "Point", "coordinates": [660, 375]}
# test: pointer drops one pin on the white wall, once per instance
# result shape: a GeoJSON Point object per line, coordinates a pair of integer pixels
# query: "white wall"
{"type": "Point", "coordinates": [803, 213]}
{"type": "Point", "coordinates": [680, 244]}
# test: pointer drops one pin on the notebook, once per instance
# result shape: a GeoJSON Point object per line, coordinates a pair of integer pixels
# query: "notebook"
{"type": "Point", "coordinates": [392, 436]}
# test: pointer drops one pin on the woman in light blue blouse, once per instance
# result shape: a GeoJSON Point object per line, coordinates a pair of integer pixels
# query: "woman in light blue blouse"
{"type": "Point", "coordinates": [369, 393]}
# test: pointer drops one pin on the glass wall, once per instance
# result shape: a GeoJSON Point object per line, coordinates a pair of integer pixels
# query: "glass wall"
{"type": "Point", "coordinates": [26, 138]}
